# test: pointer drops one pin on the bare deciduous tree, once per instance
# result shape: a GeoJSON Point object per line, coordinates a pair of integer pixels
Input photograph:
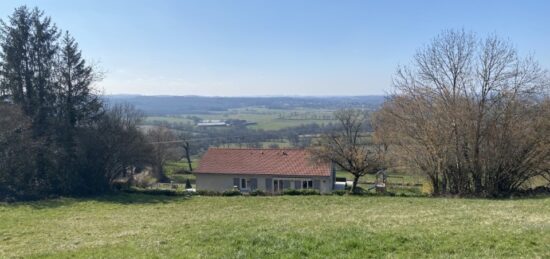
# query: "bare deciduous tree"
{"type": "Point", "coordinates": [470, 113]}
{"type": "Point", "coordinates": [164, 149]}
{"type": "Point", "coordinates": [349, 146]}
{"type": "Point", "coordinates": [186, 145]}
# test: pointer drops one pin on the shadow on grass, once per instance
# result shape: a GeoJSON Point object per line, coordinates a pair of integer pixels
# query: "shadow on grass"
{"type": "Point", "coordinates": [139, 198]}
{"type": "Point", "coordinates": [113, 198]}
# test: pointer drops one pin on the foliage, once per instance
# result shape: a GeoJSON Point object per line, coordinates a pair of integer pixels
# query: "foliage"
{"type": "Point", "coordinates": [144, 181]}
{"type": "Point", "coordinates": [257, 193]}
{"type": "Point", "coordinates": [207, 193]}
{"type": "Point", "coordinates": [300, 192]}
{"type": "Point", "coordinates": [427, 188]}
{"type": "Point", "coordinates": [232, 193]}
{"type": "Point", "coordinates": [339, 192]}
{"type": "Point", "coordinates": [164, 192]}
{"type": "Point", "coordinates": [59, 139]}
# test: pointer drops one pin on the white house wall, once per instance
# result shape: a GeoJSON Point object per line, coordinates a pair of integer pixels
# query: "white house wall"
{"type": "Point", "coordinates": [224, 182]}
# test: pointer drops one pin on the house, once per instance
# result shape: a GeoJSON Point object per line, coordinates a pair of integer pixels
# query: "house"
{"type": "Point", "coordinates": [224, 123]}
{"type": "Point", "coordinates": [268, 170]}
{"type": "Point", "coordinates": [212, 123]}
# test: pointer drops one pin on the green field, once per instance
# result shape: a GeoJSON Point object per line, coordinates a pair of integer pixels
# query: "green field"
{"type": "Point", "coordinates": [140, 226]}
{"type": "Point", "coordinates": [267, 119]}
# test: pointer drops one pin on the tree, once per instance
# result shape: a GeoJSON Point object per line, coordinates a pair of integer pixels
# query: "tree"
{"type": "Point", "coordinates": [116, 148]}
{"type": "Point", "coordinates": [348, 146]}
{"type": "Point", "coordinates": [163, 140]}
{"type": "Point", "coordinates": [186, 149]}
{"type": "Point", "coordinates": [17, 175]}
{"type": "Point", "coordinates": [77, 106]}
{"type": "Point", "coordinates": [58, 139]}
{"type": "Point", "coordinates": [470, 113]}
{"type": "Point", "coordinates": [28, 43]}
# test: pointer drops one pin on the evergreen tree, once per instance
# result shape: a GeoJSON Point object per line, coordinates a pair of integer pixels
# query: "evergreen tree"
{"type": "Point", "coordinates": [67, 145]}
{"type": "Point", "coordinates": [29, 47]}
{"type": "Point", "coordinates": [77, 107]}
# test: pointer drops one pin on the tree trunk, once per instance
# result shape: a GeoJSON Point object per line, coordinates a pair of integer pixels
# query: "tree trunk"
{"type": "Point", "coordinates": [188, 156]}
{"type": "Point", "coordinates": [354, 186]}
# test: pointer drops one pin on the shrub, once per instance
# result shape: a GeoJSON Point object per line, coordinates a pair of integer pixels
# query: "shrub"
{"type": "Point", "coordinates": [427, 188]}
{"type": "Point", "coordinates": [144, 181]}
{"type": "Point", "coordinates": [119, 186]}
{"type": "Point", "coordinates": [257, 193]}
{"type": "Point", "coordinates": [359, 191]}
{"type": "Point", "coordinates": [300, 192]}
{"type": "Point", "coordinates": [340, 192]}
{"type": "Point", "coordinates": [181, 171]}
{"type": "Point", "coordinates": [531, 192]}
{"type": "Point", "coordinates": [153, 191]}
{"type": "Point", "coordinates": [232, 193]}
{"type": "Point", "coordinates": [207, 193]}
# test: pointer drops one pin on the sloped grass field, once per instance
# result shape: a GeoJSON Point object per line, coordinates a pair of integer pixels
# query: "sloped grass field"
{"type": "Point", "coordinates": [138, 226]}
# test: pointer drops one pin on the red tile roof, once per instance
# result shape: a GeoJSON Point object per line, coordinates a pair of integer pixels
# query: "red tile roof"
{"type": "Point", "coordinates": [287, 162]}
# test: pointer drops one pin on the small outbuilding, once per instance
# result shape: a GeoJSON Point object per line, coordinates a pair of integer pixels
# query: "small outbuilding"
{"type": "Point", "coordinates": [268, 170]}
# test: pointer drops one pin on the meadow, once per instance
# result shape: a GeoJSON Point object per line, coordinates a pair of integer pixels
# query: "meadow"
{"type": "Point", "coordinates": [267, 119]}
{"type": "Point", "coordinates": [142, 226]}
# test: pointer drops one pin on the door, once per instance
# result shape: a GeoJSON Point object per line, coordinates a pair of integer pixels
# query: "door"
{"type": "Point", "coordinates": [277, 186]}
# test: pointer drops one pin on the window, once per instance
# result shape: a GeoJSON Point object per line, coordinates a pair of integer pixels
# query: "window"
{"type": "Point", "coordinates": [307, 184]}
{"type": "Point", "coordinates": [243, 183]}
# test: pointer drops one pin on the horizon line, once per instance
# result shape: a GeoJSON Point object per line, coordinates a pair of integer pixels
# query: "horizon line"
{"type": "Point", "coordinates": [247, 96]}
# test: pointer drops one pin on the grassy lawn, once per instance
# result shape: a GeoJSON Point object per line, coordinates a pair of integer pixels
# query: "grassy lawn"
{"type": "Point", "coordinates": [133, 225]}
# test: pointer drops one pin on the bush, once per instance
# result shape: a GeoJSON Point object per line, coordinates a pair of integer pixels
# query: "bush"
{"type": "Point", "coordinates": [340, 192]}
{"type": "Point", "coordinates": [153, 191]}
{"type": "Point", "coordinates": [232, 193]}
{"type": "Point", "coordinates": [144, 181]}
{"type": "Point", "coordinates": [359, 191]}
{"type": "Point", "coordinates": [120, 186]}
{"type": "Point", "coordinates": [300, 192]}
{"type": "Point", "coordinates": [257, 193]}
{"type": "Point", "coordinates": [532, 192]}
{"type": "Point", "coordinates": [207, 193]}
{"type": "Point", "coordinates": [181, 171]}
{"type": "Point", "coordinates": [427, 188]}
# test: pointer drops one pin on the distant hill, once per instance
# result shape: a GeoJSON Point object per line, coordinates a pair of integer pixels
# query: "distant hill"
{"type": "Point", "coordinates": [170, 105]}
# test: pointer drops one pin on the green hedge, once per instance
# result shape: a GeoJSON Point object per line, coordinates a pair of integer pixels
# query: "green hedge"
{"type": "Point", "coordinates": [300, 192]}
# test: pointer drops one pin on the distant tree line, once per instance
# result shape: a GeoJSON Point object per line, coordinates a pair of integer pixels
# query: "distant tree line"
{"type": "Point", "coordinates": [178, 105]}
{"type": "Point", "coordinates": [56, 135]}
{"type": "Point", "coordinates": [199, 140]}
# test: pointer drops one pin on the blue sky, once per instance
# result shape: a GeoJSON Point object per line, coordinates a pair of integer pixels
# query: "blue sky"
{"type": "Point", "coordinates": [277, 47]}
